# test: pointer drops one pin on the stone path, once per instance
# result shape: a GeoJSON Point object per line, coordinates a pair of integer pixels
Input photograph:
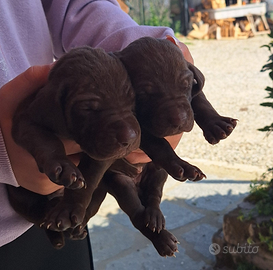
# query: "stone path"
{"type": "Point", "coordinates": [193, 213]}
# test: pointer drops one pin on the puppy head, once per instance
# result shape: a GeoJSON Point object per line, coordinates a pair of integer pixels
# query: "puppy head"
{"type": "Point", "coordinates": [97, 101]}
{"type": "Point", "coordinates": [164, 84]}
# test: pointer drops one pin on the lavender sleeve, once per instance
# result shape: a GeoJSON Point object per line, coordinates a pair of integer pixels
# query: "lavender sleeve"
{"type": "Point", "coordinates": [99, 23]}
{"type": "Point", "coordinates": [12, 225]}
{"type": "Point", "coordinates": [6, 176]}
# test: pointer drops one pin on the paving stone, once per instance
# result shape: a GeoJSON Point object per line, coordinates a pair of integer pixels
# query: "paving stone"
{"type": "Point", "coordinates": [148, 259]}
{"type": "Point", "coordinates": [98, 221]}
{"type": "Point", "coordinates": [212, 195]}
{"type": "Point", "coordinates": [201, 237]}
{"type": "Point", "coordinates": [206, 187]}
{"type": "Point", "coordinates": [122, 219]}
{"type": "Point", "coordinates": [108, 239]}
{"type": "Point", "coordinates": [215, 202]}
{"type": "Point", "coordinates": [177, 216]}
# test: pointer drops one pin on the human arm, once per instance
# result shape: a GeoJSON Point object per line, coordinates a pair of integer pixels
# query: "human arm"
{"type": "Point", "coordinates": [95, 23]}
{"type": "Point", "coordinates": [23, 169]}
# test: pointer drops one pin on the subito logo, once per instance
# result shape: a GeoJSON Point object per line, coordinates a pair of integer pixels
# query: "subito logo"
{"type": "Point", "coordinates": [214, 249]}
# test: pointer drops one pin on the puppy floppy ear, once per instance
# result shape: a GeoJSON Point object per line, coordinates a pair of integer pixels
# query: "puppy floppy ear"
{"type": "Point", "coordinates": [199, 77]}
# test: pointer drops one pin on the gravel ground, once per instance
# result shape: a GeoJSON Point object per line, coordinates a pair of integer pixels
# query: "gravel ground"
{"type": "Point", "coordinates": [235, 86]}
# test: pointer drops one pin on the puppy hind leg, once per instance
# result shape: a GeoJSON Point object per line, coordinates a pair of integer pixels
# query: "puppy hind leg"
{"type": "Point", "coordinates": [124, 189]}
{"type": "Point", "coordinates": [151, 185]}
{"type": "Point", "coordinates": [30, 205]}
{"type": "Point", "coordinates": [97, 199]}
{"type": "Point", "coordinates": [33, 207]}
{"type": "Point", "coordinates": [93, 207]}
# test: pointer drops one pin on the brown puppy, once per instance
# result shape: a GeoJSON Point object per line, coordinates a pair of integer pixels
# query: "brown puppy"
{"type": "Point", "coordinates": [88, 99]}
{"type": "Point", "coordinates": [167, 100]}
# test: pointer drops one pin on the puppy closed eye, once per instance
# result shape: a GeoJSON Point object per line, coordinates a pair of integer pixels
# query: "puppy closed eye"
{"type": "Point", "coordinates": [144, 92]}
{"type": "Point", "coordinates": [186, 84]}
{"type": "Point", "coordinates": [185, 79]}
{"type": "Point", "coordinates": [195, 88]}
{"type": "Point", "coordinates": [89, 105]}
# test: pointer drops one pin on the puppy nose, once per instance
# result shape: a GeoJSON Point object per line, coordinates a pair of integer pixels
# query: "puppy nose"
{"type": "Point", "coordinates": [126, 134]}
{"type": "Point", "coordinates": [126, 137]}
{"type": "Point", "coordinates": [177, 119]}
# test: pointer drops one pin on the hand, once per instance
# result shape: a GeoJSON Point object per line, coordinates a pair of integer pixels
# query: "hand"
{"type": "Point", "coordinates": [23, 164]}
{"type": "Point", "coordinates": [138, 156]}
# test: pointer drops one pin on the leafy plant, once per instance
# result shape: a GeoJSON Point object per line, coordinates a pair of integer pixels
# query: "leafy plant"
{"type": "Point", "coordinates": [159, 15]}
{"type": "Point", "coordinates": [177, 27]}
{"type": "Point", "coordinates": [150, 12]}
{"type": "Point", "coordinates": [261, 194]}
{"type": "Point", "coordinates": [267, 239]}
{"type": "Point", "coordinates": [261, 191]}
{"type": "Point", "coordinates": [246, 266]}
{"type": "Point", "coordinates": [268, 67]}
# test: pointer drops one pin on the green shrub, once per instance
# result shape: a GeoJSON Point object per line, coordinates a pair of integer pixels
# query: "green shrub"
{"type": "Point", "coordinates": [269, 89]}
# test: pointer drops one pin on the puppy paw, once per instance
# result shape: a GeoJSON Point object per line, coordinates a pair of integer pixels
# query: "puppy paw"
{"type": "Point", "coordinates": [64, 172]}
{"type": "Point", "coordinates": [78, 233]}
{"type": "Point", "coordinates": [219, 128]}
{"type": "Point", "coordinates": [165, 243]}
{"type": "Point", "coordinates": [182, 170]}
{"type": "Point", "coordinates": [64, 216]}
{"type": "Point", "coordinates": [192, 173]}
{"type": "Point", "coordinates": [55, 238]}
{"type": "Point", "coordinates": [154, 219]}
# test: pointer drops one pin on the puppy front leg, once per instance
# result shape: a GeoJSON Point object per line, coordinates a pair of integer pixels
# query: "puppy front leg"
{"type": "Point", "coordinates": [48, 152]}
{"type": "Point", "coordinates": [215, 127]}
{"type": "Point", "coordinates": [162, 155]}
